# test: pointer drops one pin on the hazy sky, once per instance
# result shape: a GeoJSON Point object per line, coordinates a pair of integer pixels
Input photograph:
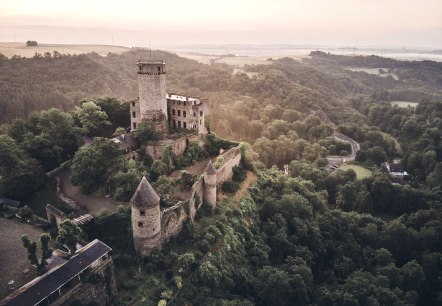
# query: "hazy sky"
{"type": "Point", "coordinates": [406, 23]}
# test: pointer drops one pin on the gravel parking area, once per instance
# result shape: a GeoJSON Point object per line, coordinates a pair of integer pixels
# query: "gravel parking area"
{"type": "Point", "coordinates": [13, 256]}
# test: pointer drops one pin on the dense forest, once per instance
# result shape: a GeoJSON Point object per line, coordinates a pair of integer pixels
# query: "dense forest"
{"type": "Point", "coordinates": [311, 237]}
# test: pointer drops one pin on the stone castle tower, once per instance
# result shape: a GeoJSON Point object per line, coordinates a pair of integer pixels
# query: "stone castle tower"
{"type": "Point", "coordinates": [152, 227]}
{"type": "Point", "coordinates": [146, 218]}
{"type": "Point", "coordinates": [210, 185]}
{"type": "Point", "coordinates": [152, 96]}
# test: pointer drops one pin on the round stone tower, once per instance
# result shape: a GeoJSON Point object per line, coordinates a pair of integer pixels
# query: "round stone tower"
{"type": "Point", "coordinates": [210, 185]}
{"type": "Point", "coordinates": [146, 219]}
{"type": "Point", "coordinates": [152, 93]}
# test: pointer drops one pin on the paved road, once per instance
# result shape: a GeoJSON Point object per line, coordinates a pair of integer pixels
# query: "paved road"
{"type": "Point", "coordinates": [337, 160]}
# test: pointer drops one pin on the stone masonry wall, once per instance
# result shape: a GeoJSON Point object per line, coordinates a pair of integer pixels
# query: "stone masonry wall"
{"type": "Point", "coordinates": [152, 93]}
{"type": "Point", "coordinates": [147, 236]}
{"type": "Point", "coordinates": [178, 146]}
{"type": "Point", "coordinates": [172, 220]}
{"type": "Point", "coordinates": [197, 194]}
{"type": "Point", "coordinates": [232, 158]}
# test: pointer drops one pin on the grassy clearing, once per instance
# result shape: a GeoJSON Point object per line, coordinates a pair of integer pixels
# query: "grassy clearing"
{"type": "Point", "coordinates": [404, 103]}
{"type": "Point", "coordinates": [361, 172]}
{"type": "Point", "coordinates": [10, 48]}
{"type": "Point", "coordinates": [199, 57]}
{"type": "Point", "coordinates": [236, 61]}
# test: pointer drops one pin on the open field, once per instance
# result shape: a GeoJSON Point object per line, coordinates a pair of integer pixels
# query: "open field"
{"type": "Point", "coordinates": [240, 61]}
{"type": "Point", "coordinates": [404, 103]}
{"type": "Point", "coordinates": [199, 57]}
{"type": "Point", "coordinates": [13, 256]}
{"type": "Point", "coordinates": [374, 71]}
{"type": "Point", "coordinates": [361, 172]}
{"type": "Point", "coordinates": [236, 61]}
{"type": "Point", "coordinates": [19, 48]}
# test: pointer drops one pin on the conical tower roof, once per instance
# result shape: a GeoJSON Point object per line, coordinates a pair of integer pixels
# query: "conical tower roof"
{"type": "Point", "coordinates": [210, 169]}
{"type": "Point", "coordinates": [145, 196]}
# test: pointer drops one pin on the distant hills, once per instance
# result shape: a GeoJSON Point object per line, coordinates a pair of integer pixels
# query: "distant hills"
{"type": "Point", "coordinates": [10, 49]}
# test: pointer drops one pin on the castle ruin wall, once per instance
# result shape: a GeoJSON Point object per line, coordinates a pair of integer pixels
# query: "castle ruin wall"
{"type": "Point", "coordinates": [179, 146]}
{"type": "Point", "coordinates": [197, 194]}
{"type": "Point", "coordinates": [172, 220]}
{"type": "Point", "coordinates": [232, 158]}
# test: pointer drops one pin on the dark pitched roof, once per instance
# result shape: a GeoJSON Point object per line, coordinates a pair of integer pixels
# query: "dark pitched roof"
{"type": "Point", "coordinates": [145, 196]}
{"type": "Point", "coordinates": [396, 167]}
{"type": "Point", "coordinates": [210, 169]}
{"type": "Point", "coordinates": [9, 202]}
{"type": "Point", "coordinates": [38, 289]}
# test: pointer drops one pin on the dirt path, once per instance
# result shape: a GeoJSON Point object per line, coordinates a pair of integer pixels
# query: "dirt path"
{"type": "Point", "coordinates": [91, 204]}
{"type": "Point", "coordinates": [13, 256]}
{"type": "Point", "coordinates": [250, 179]}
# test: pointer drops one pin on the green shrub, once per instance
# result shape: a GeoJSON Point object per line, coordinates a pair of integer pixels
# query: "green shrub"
{"type": "Point", "coordinates": [219, 162]}
{"type": "Point", "coordinates": [92, 278]}
{"type": "Point", "coordinates": [124, 185]}
{"type": "Point", "coordinates": [230, 187]}
{"type": "Point", "coordinates": [213, 144]}
{"type": "Point", "coordinates": [146, 132]}
{"type": "Point", "coordinates": [129, 284]}
{"type": "Point", "coordinates": [239, 174]}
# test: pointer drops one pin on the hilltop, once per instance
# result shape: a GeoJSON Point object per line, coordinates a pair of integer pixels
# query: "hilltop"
{"type": "Point", "coordinates": [10, 49]}
{"type": "Point", "coordinates": [310, 235]}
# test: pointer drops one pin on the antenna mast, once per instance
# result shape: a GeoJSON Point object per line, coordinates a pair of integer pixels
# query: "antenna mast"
{"type": "Point", "coordinates": [150, 52]}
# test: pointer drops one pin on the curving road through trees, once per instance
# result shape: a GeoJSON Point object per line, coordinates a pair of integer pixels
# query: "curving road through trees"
{"type": "Point", "coordinates": [338, 160]}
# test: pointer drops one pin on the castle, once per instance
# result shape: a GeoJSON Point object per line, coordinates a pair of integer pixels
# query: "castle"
{"type": "Point", "coordinates": [164, 110]}
{"type": "Point", "coordinates": [151, 225]}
